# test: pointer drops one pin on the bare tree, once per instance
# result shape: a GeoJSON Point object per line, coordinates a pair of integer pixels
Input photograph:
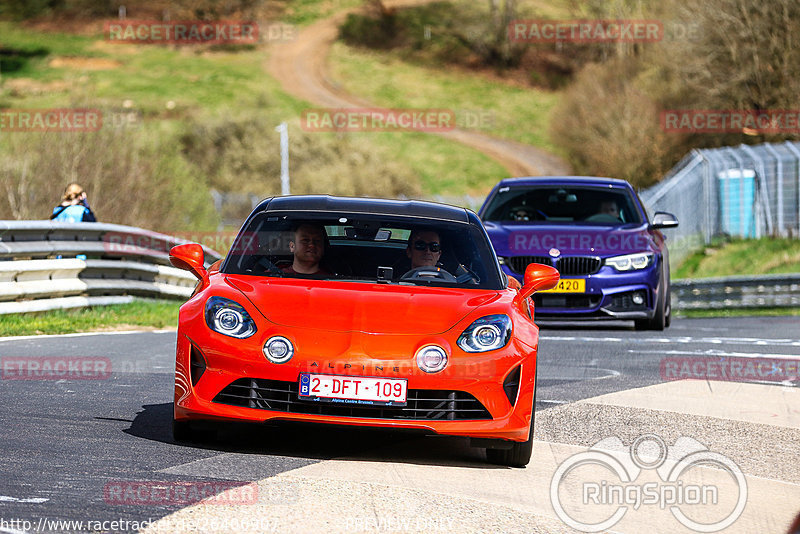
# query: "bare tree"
{"type": "Point", "coordinates": [745, 54]}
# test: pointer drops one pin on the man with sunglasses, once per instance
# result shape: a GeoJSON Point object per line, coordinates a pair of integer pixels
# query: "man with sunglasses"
{"type": "Point", "coordinates": [424, 248]}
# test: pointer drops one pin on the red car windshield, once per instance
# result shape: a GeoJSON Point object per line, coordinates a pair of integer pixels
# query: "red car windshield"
{"type": "Point", "coordinates": [365, 248]}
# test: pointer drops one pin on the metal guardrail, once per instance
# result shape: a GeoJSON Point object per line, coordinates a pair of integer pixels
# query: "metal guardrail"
{"type": "Point", "coordinates": [122, 261]}
{"type": "Point", "coordinates": [767, 291]}
{"type": "Point", "coordinates": [39, 269]}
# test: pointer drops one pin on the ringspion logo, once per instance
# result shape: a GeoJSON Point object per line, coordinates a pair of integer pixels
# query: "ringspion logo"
{"type": "Point", "coordinates": [592, 491]}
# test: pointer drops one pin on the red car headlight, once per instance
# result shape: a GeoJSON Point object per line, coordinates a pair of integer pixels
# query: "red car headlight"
{"type": "Point", "coordinates": [487, 333]}
{"type": "Point", "coordinates": [229, 318]}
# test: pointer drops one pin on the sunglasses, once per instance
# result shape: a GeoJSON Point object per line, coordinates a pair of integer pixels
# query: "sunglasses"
{"type": "Point", "coordinates": [422, 245]}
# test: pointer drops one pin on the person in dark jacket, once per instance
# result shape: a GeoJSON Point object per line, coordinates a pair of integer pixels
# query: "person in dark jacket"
{"type": "Point", "coordinates": [74, 207]}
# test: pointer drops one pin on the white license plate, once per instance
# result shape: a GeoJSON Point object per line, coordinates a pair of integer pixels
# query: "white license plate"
{"type": "Point", "coordinates": [353, 389]}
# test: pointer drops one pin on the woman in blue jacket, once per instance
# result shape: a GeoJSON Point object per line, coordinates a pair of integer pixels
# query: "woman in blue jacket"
{"type": "Point", "coordinates": [74, 207]}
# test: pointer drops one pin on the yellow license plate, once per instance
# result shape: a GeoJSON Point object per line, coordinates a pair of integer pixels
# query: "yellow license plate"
{"type": "Point", "coordinates": [568, 285]}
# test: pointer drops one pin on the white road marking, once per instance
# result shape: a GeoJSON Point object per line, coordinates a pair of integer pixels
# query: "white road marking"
{"type": "Point", "coordinates": [32, 500]}
{"type": "Point", "coordinates": [578, 373]}
{"type": "Point", "coordinates": [681, 340]}
{"type": "Point", "coordinates": [611, 374]}
{"type": "Point", "coordinates": [714, 352]}
{"type": "Point", "coordinates": [12, 531]}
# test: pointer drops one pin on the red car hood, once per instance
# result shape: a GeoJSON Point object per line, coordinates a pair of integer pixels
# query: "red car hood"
{"type": "Point", "coordinates": [360, 307]}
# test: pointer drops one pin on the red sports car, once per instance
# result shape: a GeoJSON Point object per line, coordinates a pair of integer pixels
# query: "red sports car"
{"type": "Point", "coordinates": [364, 312]}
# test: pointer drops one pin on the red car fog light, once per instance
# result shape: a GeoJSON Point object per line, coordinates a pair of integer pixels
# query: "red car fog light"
{"type": "Point", "coordinates": [431, 359]}
{"type": "Point", "coordinates": [278, 349]}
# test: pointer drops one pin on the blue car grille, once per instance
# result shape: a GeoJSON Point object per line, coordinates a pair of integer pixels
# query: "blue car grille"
{"type": "Point", "coordinates": [566, 265]}
{"type": "Point", "coordinates": [578, 265]}
{"type": "Point", "coordinates": [422, 404]}
{"type": "Point", "coordinates": [519, 263]}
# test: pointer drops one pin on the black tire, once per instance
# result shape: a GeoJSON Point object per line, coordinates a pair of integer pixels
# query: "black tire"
{"type": "Point", "coordinates": [659, 321]}
{"type": "Point", "coordinates": [520, 452]}
{"type": "Point", "coordinates": [517, 456]}
{"type": "Point", "coordinates": [668, 318]}
{"type": "Point", "coordinates": [182, 431]}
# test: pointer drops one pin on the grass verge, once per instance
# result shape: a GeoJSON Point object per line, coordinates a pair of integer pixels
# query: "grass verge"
{"type": "Point", "coordinates": [741, 312]}
{"type": "Point", "coordinates": [139, 313]}
{"type": "Point", "coordinates": [502, 110]}
{"type": "Point", "coordinates": [742, 257]}
{"type": "Point", "coordinates": [173, 88]}
{"type": "Point", "coordinates": [305, 12]}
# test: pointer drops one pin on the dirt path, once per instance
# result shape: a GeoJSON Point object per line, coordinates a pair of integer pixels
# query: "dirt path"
{"type": "Point", "coordinates": [301, 68]}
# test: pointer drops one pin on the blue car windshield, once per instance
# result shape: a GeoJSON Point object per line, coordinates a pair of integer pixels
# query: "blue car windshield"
{"type": "Point", "coordinates": [365, 248]}
{"type": "Point", "coordinates": [561, 204]}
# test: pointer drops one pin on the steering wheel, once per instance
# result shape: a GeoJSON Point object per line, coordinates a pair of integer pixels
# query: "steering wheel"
{"type": "Point", "coordinates": [428, 272]}
{"type": "Point", "coordinates": [465, 275]}
{"type": "Point", "coordinates": [264, 265]}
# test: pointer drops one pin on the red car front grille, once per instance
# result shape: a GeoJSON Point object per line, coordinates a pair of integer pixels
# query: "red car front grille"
{"type": "Point", "coordinates": [422, 404]}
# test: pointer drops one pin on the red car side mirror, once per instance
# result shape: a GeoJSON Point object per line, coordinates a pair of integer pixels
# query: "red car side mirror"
{"type": "Point", "coordinates": [538, 277]}
{"type": "Point", "coordinates": [189, 257]}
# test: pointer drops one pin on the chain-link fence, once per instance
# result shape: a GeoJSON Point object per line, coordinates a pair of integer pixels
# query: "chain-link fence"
{"type": "Point", "coordinates": [744, 191]}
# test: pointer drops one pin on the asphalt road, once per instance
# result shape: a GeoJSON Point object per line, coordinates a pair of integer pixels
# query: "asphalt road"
{"type": "Point", "coordinates": [65, 443]}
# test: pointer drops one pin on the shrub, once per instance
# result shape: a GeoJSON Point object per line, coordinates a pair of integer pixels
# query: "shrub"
{"type": "Point", "coordinates": [611, 128]}
{"type": "Point", "coordinates": [134, 177]}
{"type": "Point", "coordinates": [240, 153]}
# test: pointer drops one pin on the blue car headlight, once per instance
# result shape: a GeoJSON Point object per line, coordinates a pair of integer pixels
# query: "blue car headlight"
{"type": "Point", "coordinates": [229, 318]}
{"type": "Point", "coordinates": [487, 333]}
{"type": "Point", "coordinates": [631, 262]}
